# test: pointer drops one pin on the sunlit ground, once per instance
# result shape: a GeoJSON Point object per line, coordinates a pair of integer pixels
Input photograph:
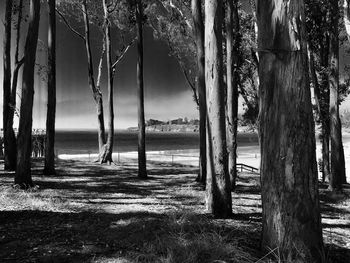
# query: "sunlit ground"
{"type": "Point", "coordinates": [94, 213]}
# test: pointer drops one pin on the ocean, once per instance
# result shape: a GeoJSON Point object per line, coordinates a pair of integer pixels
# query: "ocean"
{"type": "Point", "coordinates": [85, 142]}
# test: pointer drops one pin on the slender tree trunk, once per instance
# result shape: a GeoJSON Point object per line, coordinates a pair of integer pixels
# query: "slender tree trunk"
{"type": "Point", "coordinates": [347, 17]}
{"type": "Point", "coordinates": [291, 214]}
{"type": "Point", "coordinates": [232, 48]}
{"type": "Point", "coordinates": [337, 157]}
{"type": "Point", "coordinates": [96, 92]}
{"type": "Point", "coordinates": [106, 156]}
{"type": "Point", "coordinates": [9, 135]}
{"type": "Point", "coordinates": [24, 148]}
{"type": "Point", "coordinates": [325, 117]}
{"type": "Point", "coordinates": [49, 168]}
{"type": "Point", "coordinates": [140, 95]}
{"type": "Point", "coordinates": [199, 39]}
{"type": "Point", "coordinates": [218, 193]}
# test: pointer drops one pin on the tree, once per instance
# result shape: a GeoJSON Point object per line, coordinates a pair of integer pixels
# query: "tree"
{"type": "Point", "coordinates": [141, 107]}
{"type": "Point", "coordinates": [23, 172]}
{"type": "Point", "coordinates": [49, 168]}
{"type": "Point", "coordinates": [337, 152]}
{"type": "Point", "coordinates": [317, 22]}
{"type": "Point", "coordinates": [218, 193]}
{"type": "Point", "coordinates": [84, 10]}
{"type": "Point", "coordinates": [233, 57]}
{"type": "Point", "coordinates": [9, 135]}
{"type": "Point", "coordinates": [291, 213]}
{"type": "Point", "coordinates": [200, 81]}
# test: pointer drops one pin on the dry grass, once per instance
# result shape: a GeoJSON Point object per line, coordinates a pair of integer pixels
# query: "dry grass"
{"type": "Point", "coordinates": [93, 213]}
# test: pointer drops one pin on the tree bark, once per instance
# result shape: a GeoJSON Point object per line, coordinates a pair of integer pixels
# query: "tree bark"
{"type": "Point", "coordinates": [218, 191]}
{"type": "Point", "coordinates": [337, 157]}
{"type": "Point", "coordinates": [49, 168]}
{"type": "Point", "coordinates": [10, 154]}
{"type": "Point", "coordinates": [96, 92]}
{"type": "Point", "coordinates": [232, 48]}
{"type": "Point", "coordinates": [106, 154]}
{"type": "Point", "coordinates": [140, 94]}
{"type": "Point", "coordinates": [24, 148]}
{"type": "Point", "coordinates": [197, 16]}
{"type": "Point", "coordinates": [346, 7]}
{"type": "Point", "coordinates": [291, 214]}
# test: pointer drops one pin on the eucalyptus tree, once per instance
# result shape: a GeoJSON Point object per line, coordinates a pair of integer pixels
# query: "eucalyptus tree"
{"type": "Point", "coordinates": [9, 135]}
{"type": "Point", "coordinates": [181, 25]}
{"type": "Point", "coordinates": [198, 29]}
{"type": "Point", "coordinates": [218, 191]}
{"type": "Point", "coordinates": [142, 173]}
{"type": "Point", "coordinates": [233, 42]}
{"type": "Point", "coordinates": [49, 168]}
{"type": "Point", "coordinates": [337, 174]}
{"type": "Point", "coordinates": [23, 168]}
{"type": "Point", "coordinates": [92, 12]}
{"type": "Point", "coordinates": [291, 213]}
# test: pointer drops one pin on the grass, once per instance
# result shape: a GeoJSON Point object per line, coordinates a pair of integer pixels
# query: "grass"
{"type": "Point", "coordinates": [93, 213]}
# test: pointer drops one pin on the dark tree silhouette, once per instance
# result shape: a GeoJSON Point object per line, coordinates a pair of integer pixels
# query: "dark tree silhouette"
{"type": "Point", "coordinates": [49, 168]}
{"type": "Point", "coordinates": [8, 105]}
{"type": "Point", "coordinates": [24, 147]}
{"type": "Point", "coordinates": [140, 93]}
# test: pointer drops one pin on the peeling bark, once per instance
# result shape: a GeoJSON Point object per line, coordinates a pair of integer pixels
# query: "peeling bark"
{"type": "Point", "coordinates": [218, 192]}
{"type": "Point", "coordinates": [291, 214]}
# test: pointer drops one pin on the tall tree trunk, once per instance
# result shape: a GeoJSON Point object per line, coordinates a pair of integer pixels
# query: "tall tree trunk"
{"type": "Point", "coordinates": [9, 135]}
{"type": "Point", "coordinates": [337, 157]}
{"type": "Point", "coordinates": [49, 168]}
{"type": "Point", "coordinates": [24, 148]}
{"type": "Point", "coordinates": [140, 94]}
{"type": "Point", "coordinates": [95, 91]}
{"type": "Point", "coordinates": [218, 193]}
{"type": "Point", "coordinates": [232, 48]}
{"type": "Point", "coordinates": [199, 39]}
{"type": "Point", "coordinates": [106, 156]}
{"type": "Point", "coordinates": [324, 107]}
{"type": "Point", "coordinates": [291, 214]}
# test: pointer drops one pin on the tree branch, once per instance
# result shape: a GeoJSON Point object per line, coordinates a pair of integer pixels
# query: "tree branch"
{"type": "Point", "coordinates": [69, 26]}
{"type": "Point", "coordinates": [121, 54]}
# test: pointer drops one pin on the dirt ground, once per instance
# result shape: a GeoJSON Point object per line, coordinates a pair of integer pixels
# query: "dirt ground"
{"type": "Point", "coordinates": [94, 213]}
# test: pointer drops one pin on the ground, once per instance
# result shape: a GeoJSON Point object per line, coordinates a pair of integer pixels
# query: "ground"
{"type": "Point", "coordinates": [94, 213]}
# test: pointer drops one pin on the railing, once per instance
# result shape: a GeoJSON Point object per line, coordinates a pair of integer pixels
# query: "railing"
{"type": "Point", "coordinates": [243, 167]}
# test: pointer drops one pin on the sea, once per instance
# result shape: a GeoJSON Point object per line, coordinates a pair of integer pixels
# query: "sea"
{"type": "Point", "coordinates": [85, 142]}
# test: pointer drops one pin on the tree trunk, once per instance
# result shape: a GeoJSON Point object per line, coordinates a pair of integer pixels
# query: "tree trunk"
{"type": "Point", "coordinates": [218, 193]}
{"type": "Point", "coordinates": [199, 39]}
{"type": "Point", "coordinates": [49, 168]}
{"type": "Point", "coordinates": [337, 157]}
{"type": "Point", "coordinates": [232, 48]}
{"type": "Point", "coordinates": [197, 17]}
{"type": "Point", "coordinates": [9, 135]}
{"type": "Point", "coordinates": [106, 155]}
{"type": "Point", "coordinates": [291, 214]}
{"type": "Point", "coordinates": [24, 148]}
{"type": "Point", "coordinates": [141, 108]}
{"type": "Point", "coordinates": [347, 17]}
{"type": "Point", "coordinates": [96, 92]}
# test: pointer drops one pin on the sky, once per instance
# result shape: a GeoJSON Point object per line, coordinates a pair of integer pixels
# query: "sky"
{"type": "Point", "coordinates": [167, 95]}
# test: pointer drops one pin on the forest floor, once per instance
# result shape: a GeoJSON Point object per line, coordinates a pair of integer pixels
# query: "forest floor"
{"type": "Point", "coordinates": [94, 213]}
